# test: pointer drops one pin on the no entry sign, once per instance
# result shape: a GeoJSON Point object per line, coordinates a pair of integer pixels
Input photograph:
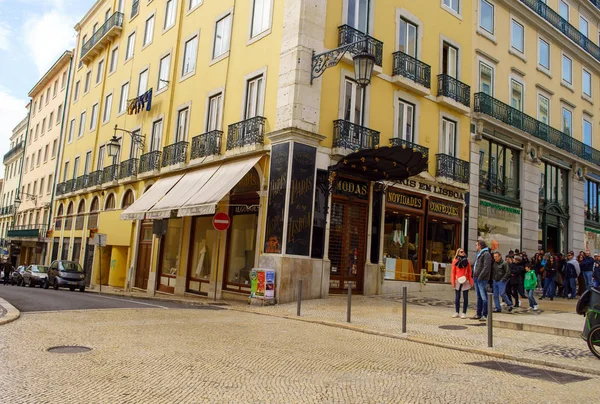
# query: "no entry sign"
{"type": "Point", "coordinates": [221, 221]}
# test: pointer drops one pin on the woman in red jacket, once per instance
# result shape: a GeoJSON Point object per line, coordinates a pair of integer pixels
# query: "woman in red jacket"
{"type": "Point", "coordinates": [462, 281]}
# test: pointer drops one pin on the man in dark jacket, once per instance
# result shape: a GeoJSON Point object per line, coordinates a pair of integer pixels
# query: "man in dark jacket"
{"type": "Point", "coordinates": [572, 272]}
{"type": "Point", "coordinates": [482, 273]}
{"type": "Point", "coordinates": [596, 271]}
{"type": "Point", "coordinates": [587, 267]}
{"type": "Point", "coordinates": [500, 274]}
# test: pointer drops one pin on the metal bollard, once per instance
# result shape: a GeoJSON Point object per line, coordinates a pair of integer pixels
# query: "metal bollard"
{"type": "Point", "coordinates": [490, 321]}
{"type": "Point", "coordinates": [299, 297]}
{"type": "Point", "coordinates": [349, 311]}
{"type": "Point", "coordinates": [404, 304]}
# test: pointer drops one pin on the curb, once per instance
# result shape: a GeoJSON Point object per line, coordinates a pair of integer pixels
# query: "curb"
{"type": "Point", "coordinates": [12, 313]}
{"type": "Point", "coordinates": [540, 329]}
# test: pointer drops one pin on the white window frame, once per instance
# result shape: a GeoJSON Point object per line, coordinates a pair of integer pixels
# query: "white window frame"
{"type": "Point", "coordinates": [404, 106]}
{"type": "Point", "coordinates": [444, 147]}
{"type": "Point", "coordinates": [166, 26]}
{"type": "Point", "coordinates": [113, 57]}
{"type": "Point", "coordinates": [227, 36]}
{"type": "Point", "coordinates": [547, 97]}
{"type": "Point", "coordinates": [520, 82]}
{"type": "Point", "coordinates": [191, 7]}
{"type": "Point", "coordinates": [179, 136]}
{"type": "Point", "coordinates": [94, 116]}
{"type": "Point", "coordinates": [182, 75]}
{"type": "Point", "coordinates": [123, 101]}
{"type": "Point", "coordinates": [100, 71]}
{"type": "Point", "coordinates": [76, 91]}
{"type": "Point", "coordinates": [71, 131]}
{"type": "Point", "coordinates": [167, 77]}
{"type": "Point", "coordinates": [459, 55]}
{"type": "Point", "coordinates": [562, 71]}
{"type": "Point", "coordinates": [589, 120]}
{"type": "Point", "coordinates": [148, 41]}
{"type": "Point", "coordinates": [562, 123]}
{"type": "Point", "coordinates": [87, 84]}
{"type": "Point", "coordinates": [259, 102]}
{"type": "Point", "coordinates": [152, 146]}
{"type": "Point", "coordinates": [564, 3]}
{"type": "Point", "coordinates": [582, 19]}
{"type": "Point", "coordinates": [252, 36]}
{"type": "Point", "coordinates": [584, 71]}
{"type": "Point", "coordinates": [106, 111]}
{"type": "Point", "coordinates": [514, 21]}
{"type": "Point", "coordinates": [82, 122]}
{"type": "Point", "coordinates": [147, 71]}
{"type": "Point", "coordinates": [128, 57]}
{"type": "Point", "coordinates": [492, 66]}
{"type": "Point", "coordinates": [208, 110]}
{"type": "Point", "coordinates": [448, 5]}
{"type": "Point", "coordinates": [540, 65]}
{"type": "Point", "coordinates": [479, 25]}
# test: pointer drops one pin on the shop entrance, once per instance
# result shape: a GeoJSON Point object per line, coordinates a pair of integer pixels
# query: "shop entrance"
{"type": "Point", "coordinates": [144, 257]}
{"type": "Point", "coordinates": [202, 245]}
{"type": "Point", "coordinates": [552, 235]}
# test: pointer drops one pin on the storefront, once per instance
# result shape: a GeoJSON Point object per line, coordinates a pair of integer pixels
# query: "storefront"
{"type": "Point", "coordinates": [443, 232]}
{"type": "Point", "coordinates": [554, 217]}
{"type": "Point", "coordinates": [499, 225]}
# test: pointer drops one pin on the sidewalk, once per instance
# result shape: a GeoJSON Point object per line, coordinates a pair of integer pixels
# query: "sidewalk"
{"type": "Point", "coordinates": [8, 312]}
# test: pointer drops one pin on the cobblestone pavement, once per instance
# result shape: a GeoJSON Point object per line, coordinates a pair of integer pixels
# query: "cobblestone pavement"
{"type": "Point", "coordinates": [191, 356]}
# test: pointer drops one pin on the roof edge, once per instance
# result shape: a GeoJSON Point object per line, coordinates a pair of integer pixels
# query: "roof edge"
{"type": "Point", "coordinates": [60, 62]}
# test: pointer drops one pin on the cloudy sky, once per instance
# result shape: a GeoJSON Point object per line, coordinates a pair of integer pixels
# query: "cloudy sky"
{"type": "Point", "coordinates": [33, 34]}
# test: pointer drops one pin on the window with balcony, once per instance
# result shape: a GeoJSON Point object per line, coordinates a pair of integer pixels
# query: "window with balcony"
{"type": "Point", "coordinates": [190, 51]}
{"type": "Point", "coordinates": [486, 78]}
{"type": "Point", "coordinates": [358, 14]}
{"type": "Point", "coordinates": [587, 132]}
{"type": "Point", "coordinates": [448, 138]}
{"type": "Point", "coordinates": [100, 71]}
{"type": "Point", "coordinates": [164, 67]}
{"type": "Point", "coordinates": [449, 60]}
{"type": "Point", "coordinates": [543, 109]}
{"type": "Point", "coordinates": [517, 36]}
{"type": "Point", "coordinates": [213, 116]}
{"type": "Point", "coordinates": [81, 124]}
{"type": "Point", "coordinates": [148, 31]}
{"type": "Point", "coordinates": [587, 83]}
{"type": "Point", "coordinates": [143, 82]}
{"type": "Point", "coordinates": [114, 59]}
{"type": "Point", "coordinates": [120, 5]}
{"type": "Point", "coordinates": [94, 116]}
{"type": "Point", "coordinates": [544, 54]}
{"type": "Point", "coordinates": [567, 69]}
{"type": "Point", "coordinates": [170, 14]}
{"type": "Point", "coordinates": [408, 37]}
{"type": "Point", "coordinates": [486, 16]}
{"type": "Point", "coordinates": [567, 122]}
{"type": "Point", "coordinates": [353, 102]}
{"type": "Point", "coordinates": [88, 163]}
{"type": "Point", "coordinates": [107, 108]}
{"type": "Point", "coordinates": [130, 46]}
{"type": "Point", "coordinates": [156, 138]}
{"type": "Point", "coordinates": [182, 125]}
{"type": "Point", "coordinates": [71, 132]}
{"type": "Point", "coordinates": [66, 171]}
{"type": "Point", "coordinates": [584, 26]}
{"type": "Point", "coordinates": [123, 97]}
{"type": "Point", "coordinates": [222, 36]}
{"type": "Point", "coordinates": [261, 17]}
{"type": "Point", "coordinates": [406, 120]}
{"type": "Point", "coordinates": [101, 153]}
{"type": "Point", "coordinates": [516, 95]}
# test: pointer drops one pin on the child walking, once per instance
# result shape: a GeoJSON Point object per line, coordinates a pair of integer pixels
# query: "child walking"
{"type": "Point", "coordinates": [530, 285]}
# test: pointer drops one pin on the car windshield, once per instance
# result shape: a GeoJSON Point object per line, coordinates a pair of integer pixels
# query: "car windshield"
{"type": "Point", "coordinates": [39, 268]}
{"type": "Point", "coordinates": [68, 266]}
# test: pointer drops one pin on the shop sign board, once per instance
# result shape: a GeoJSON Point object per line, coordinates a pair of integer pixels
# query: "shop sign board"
{"type": "Point", "coordinates": [221, 221]}
{"type": "Point", "coordinates": [434, 189]}
{"type": "Point", "coordinates": [352, 188]}
{"type": "Point", "coordinates": [445, 208]}
{"type": "Point", "coordinates": [394, 197]}
{"type": "Point", "coordinates": [262, 284]}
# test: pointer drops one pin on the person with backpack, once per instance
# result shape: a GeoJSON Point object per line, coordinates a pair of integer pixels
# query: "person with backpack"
{"type": "Point", "coordinates": [516, 279]}
{"type": "Point", "coordinates": [500, 275]}
{"type": "Point", "coordinates": [482, 273]}
{"type": "Point", "coordinates": [530, 283]}
{"type": "Point", "coordinates": [462, 281]}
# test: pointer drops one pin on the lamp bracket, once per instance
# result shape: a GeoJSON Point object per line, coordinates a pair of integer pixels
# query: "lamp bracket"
{"type": "Point", "coordinates": [325, 60]}
{"type": "Point", "coordinates": [136, 137]}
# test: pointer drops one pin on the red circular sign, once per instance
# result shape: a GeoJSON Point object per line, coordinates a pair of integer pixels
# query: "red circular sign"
{"type": "Point", "coordinates": [221, 221]}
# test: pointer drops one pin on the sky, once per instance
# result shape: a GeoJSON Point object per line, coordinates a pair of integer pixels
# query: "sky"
{"type": "Point", "coordinates": [33, 34]}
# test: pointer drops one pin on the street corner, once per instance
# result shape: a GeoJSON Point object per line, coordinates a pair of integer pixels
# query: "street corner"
{"type": "Point", "coordinates": [8, 312]}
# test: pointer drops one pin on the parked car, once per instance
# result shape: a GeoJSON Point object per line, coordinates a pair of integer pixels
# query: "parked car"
{"type": "Point", "coordinates": [16, 278]}
{"type": "Point", "coordinates": [35, 275]}
{"type": "Point", "coordinates": [66, 274]}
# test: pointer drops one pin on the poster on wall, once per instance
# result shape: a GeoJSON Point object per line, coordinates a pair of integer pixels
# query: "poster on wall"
{"type": "Point", "coordinates": [302, 187]}
{"type": "Point", "coordinates": [277, 193]}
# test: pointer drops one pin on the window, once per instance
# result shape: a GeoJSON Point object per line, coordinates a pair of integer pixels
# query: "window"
{"type": "Point", "coordinates": [543, 109]}
{"type": "Point", "coordinates": [59, 114]}
{"type": "Point", "coordinates": [182, 122]}
{"type": "Point", "coordinates": [127, 199]}
{"type": "Point", "coordinates": [170, 14]}
{"type": "Point", "coordinates": [591, 202]}
{"type": "Point", "coordinates": [42, 186]}
{"type": "Point", "coordinates": [449, 60]}
{"type": "Point", "coordinates": [123, 97]}
{"type": "Point", "coordinates": [143, 82]}
{"type": "Point", "coordinates": [47, 95]}
{"type": "Point", "coordinates": [453, 5]}
{"type": "Point", "coordinates": [55, 89]}
{"type": "Point", "coordinates": [517, 36]}
{"type": "Point", "coordinates": [587, 132]}
{"type": "Point", "coordinates": [76, 91]}
{"type": "Point", "coordinates": [120, 5]}
{"type": "Point", "coordinates": [567, 69]}
{"type": "Point", "coordinates": [46, 153]}
{"type": "Point", "coordinates": [114, 60]}
{"type": "Point", "coordinates": [32, 161]}
{"type": "Point", "coordinates": [584, 26]}
{"type": "Point", "coordinates": [516, 95]}
{"type": "Point", "coordinates": [26, 163]}
{"type": "Point", "coordinates": [88, 163]}
{"type": "Point", "coordinates": [55, 142]}
{"type": "Point", "coordinates": [406, 119]}
{"type": "Point", "coordinates": [66, 171]}
{"type": "Point", "coordinates": [63, 81]}
{"type": "Point", "coordinates": [49, 188]}
{"type": "Point", "coordinates": [130, 46]}
{"type": "Point", "coordinates": [50, 120]}
{"type": "Point", "coordinates": [94, 28]}
{"type": "Point", "coordinates": [94, 116]}
{"type": "Point", "coordinates": [587, 83]}
{"type": "Point", "coordinates": [110, 202]}
{"type": "Point", "coordinates": [353, 102]}
{"type": "Point", "coordinates": [163, 72]}
{"type": "Point", "coordinates": [34, 192]}
{"type": "Point", "coordinates": [486, 16]}
{"type": "Point", "coordinates": [554, 182]}
{"type": "Point", "coordinates": [39, 158]}
{"type": "Point", "coordinates": [100, 165]}
{"type": "Point", "coordinates": [71, 132]}
{"type": "Point", "coordinates": [43, 127]}
{"type": "Point", "coordinates": [107, 15]}
{"type": "Point", "coordinates": [155, 141]}
{"type": "Point", "coordinates": [194, 3]}
{"type": "Point", "coordinates": [107, 107]}
{"type": "Point", "coordinates": [448, 137]}
{"type": "Point", "coordinates": [189, 56]}
{"type": "Point", "coordinates": [486, 78]}
{"type": "Point", "coordinates": [88, 79]}
{"type": "Point", "coordinates": [75, 167]}
{"type": "Point", "coordinates": [563, 10]}
{"type": "Point", "coordinates": [408, 38]}
{"type": "Point", "coordinates": [544, 53]}
{"type": "Point", "coordinates": [81, 125]}
{"type": "Point", "coordinates": [149, 30]}
{"type": "Point", "coordinates": [567, 122]}
{"type": "Point", "coordinates": [358, 14]}
{"type": "Point", "coordinates": [261, 17]}
{"type": "Point", "coordinates": [214, 113]}
{"type": "Point", "coordinates": [41, 102]}
{"type": "Point", "coordinates": [222, 36]}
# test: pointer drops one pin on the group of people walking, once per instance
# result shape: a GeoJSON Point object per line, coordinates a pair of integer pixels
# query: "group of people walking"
{"type": "Point", "coordinates": [517, 277]}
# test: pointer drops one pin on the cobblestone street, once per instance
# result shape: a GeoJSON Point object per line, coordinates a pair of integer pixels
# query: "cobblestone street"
{"type": "Point", "coordinates": [189, 356]}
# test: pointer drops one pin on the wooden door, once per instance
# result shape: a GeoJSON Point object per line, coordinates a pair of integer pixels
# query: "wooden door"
{"type": "Point", "coordinates": [144, 259]}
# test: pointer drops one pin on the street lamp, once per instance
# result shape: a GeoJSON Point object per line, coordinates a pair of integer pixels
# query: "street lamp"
{"type": "Point", "coordinates": [113, 146]}
{"type": "Point", "coordinates": [17, 202]}
{"type": "Point", "coordinates": [364, 61]}
{"type": "Point", "coordinates": [363, 68]}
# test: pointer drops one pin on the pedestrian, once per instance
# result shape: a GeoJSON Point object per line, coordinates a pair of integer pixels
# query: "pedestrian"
{"type": "Point", "coordinates": [560, 275]}
{"type": "Point", "coordinates": [580, 279]}
{"type": "Point", "coordinates": [462, 281]}
{"type": "Point", "coordinates": [7, 272]}
{"type": "Point", "coordinates": [549, 277]}
{"type": "Point", "coordinates": [516, 279]}
{"type": "Point", "coordinates": [587, 267]}
{"type": "Point", "coordinates": [572, 272]}
{"type": "Point", "coordinates": [596, 271]}
{"type": "Point", "coordinates": [482, 273]}
{"type": "Point", "coordinates": [500, 275]}
{"type": "Point", "coordinates": [530, 284]}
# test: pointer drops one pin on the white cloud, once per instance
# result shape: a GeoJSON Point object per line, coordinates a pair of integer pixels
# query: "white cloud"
{"type": "Point", "coordinates": [4, 36]}
{"type": "Point", "coordinates": [12, 111]}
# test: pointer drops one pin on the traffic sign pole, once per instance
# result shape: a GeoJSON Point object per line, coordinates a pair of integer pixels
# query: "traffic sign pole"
{"type": "Point", "coordinates": [221, 222]}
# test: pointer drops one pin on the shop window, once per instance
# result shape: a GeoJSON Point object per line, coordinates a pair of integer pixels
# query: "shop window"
{"type": "Point", "coordinates": [202, 241]}
{"type": "Point", "coordinates": [127, 199]}
{"type": "Point", "coordinates": [591, 200]}
{"type": "Point", "coordinates": [554, 184]}
{"type": "Point", "coordinates": [440, 248]}
{"type": "Point", "coordinates": [170, 255]}
{"type": "Point", "coordinates": [110, 202]}
{"type": "Point", "coordinates": [76, 249]}
{"type": "Point", "coordinates": [242, 243]}
{"type": "Point", "coordinates": [320, 218]}
{"type": "Point", "coordinates": [499, 225]}
{"type": "Point", "coordinates": [499, 169]}
{"type": "Point", "coordinates": [401, 245]}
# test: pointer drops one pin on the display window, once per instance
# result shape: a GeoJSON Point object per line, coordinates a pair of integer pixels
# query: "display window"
{"type": "Point", "coordinates": [241, 248]}
{"type": "Point", "coordinates": [500, 226]}
{"type": "Point", "coordinates": [170, 255]}
{"type": "Point", "coordinates": [592, 240]}
{"type": "Point", "coordinates": [442, 239]}
{"type": "Point", "coordinates": [202, 244]}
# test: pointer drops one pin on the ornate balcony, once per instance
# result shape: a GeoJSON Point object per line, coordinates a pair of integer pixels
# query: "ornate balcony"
{"type": "Point", "coordinates": [128, 168]}
{"type": "Point", "coordinates": [452, 168]}
{"type": "Point", "coordinates": [396, 141]}
{"type": "Point", "coordinates": [27, 231]}
{"type": "Point", "coordinates": [150, 161]}
{"type": "Point", "coordinates": [95, 178]}
{"type": "Point", "coordinates": [102, 37]}
{"type": "Point", "coordinates": [207, 144]}
{"type": "Point", "coordinates": [82, 182]}
{"type": "Point", "coordinates": [496, 109]}
{"type": "Point", "coordinates": [411, 68]}
{"type": "Point", "coordinates": [348, 35]}
{"type": "Point", "coordinates": [453, 89]}
{"type": "Point", "coordinates": [13, 152]}
{"type": "Point", "coordinates": [61, 188]}
{"type": "Point", "coordinates": [246, 133]}
{"type": "Point", "coordinates": [175, 153]}
{"type": "Point", "coordinates": [347, 135]}
{"type": "Point", "coordinates": [110, 173]}
{"type": "Point", "coordinates": [70, 186]}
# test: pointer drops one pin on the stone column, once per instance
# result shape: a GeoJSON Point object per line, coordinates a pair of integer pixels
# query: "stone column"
{"type": "Point", "coordinates": [530, 212]}
{"type": "Point", "coordinates": [473, 195]}
{"type": "Point", "coordinates": [576, 229]}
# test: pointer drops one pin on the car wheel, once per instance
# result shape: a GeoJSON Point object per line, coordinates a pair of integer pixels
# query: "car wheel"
{"type": "Point", "coordinates": [82, 289]}
{"type": "Point", "coordinates": [55, 285]}
{"type": "Point", "coordinates": [71, 288]}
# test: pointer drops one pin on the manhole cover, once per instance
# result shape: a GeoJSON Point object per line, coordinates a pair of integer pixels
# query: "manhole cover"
{"type": "Point", "coordinates": [69, 349]}
{"type": "Point", "coordinates": [453, 327]}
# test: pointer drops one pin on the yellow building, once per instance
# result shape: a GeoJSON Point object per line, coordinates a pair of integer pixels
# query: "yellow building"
{"type": "Point", "coordinates": [218, 106]}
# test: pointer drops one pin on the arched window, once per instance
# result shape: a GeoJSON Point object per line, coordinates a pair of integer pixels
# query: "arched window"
{"type": "Point", "coordinates": [70, 209]}
{"type": "Point", "coordinates": [59, 219]}
{"type": "Point", "coordinates": [60, 210]}
{"type": "Point", "coordinates": [95, 206]}
{"type": "Point", "coordinates": [69, 218]}
{"type": "Point", "coordinates": [80, 215]}
{"type": "Point", "coordinates": [110, 202]}
{"type": "Point", "coordinates": [81, 208]}
{"type": "Point", "coordinates": [127, 199]}
{"type": "Point", "coordinates": [93, 218]}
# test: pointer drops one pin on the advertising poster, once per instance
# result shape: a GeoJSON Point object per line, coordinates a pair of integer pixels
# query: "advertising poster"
{"type": "Point", "coordinates": [277, 194]}
{"type": "Point", "coordinates": [270, 284]}
{"type": "Point", "coordinates": [260, 287]}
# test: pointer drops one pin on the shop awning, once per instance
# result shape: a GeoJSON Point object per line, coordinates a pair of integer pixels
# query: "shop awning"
{"type": "Point", "coordinates": [137, 211]}
{"type": "Point", "coordinates": [222, 181]}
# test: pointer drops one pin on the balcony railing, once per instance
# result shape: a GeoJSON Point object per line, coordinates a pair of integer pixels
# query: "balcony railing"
{"type": "Point", "coordinates": [411, 68]}
{"type": "Point", "coordinates": [70, 186]}
{"type": "Point", "coordinates": [14, 151]}
{"type": "Point", "coordinates": [596, 3]}
{"type": "Point", "coordinates": [449, 87]}
{"type": "Point", "coordinates": [396, 141]}
{"type": "Point", "coordinates": [135, 8]}
{"type": "Point", "coordinates": [246, 133]}
{"type": "Point", "coordinates": [128, 168]}
{"type": "Point", "coordinates": [82, 182]}
{"type": "Point", "coordinates": [452, 168]}
{"type": "Point", "coordinates": [207, 144]}
{"type": "Point", "coordinates": [8, 210]}
{"type": "Point", "coordinates": [61, 189]}
{"type": "Point", "coordinates": [348, 35]}
{"type": "Point", "coordinates": [27, 231]}
{"type": "Point", "coordinates": [563, 26]}
{"type": "Point", "coordinates": [150, 161]}
{"type": "Point", "coordinates": [115, 20]}
{"type": "Point", "coordinates": [95, 178]}
{"type": "Point", "coordinates": [348, 135]}
{"type": "Point", "coordinates": [110, 173]}
{"type": "Point", "coordinates": [494, 108]}
{"type": "Point", "coordinates": [175, 153]}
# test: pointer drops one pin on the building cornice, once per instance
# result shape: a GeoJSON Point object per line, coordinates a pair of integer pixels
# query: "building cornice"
{"type": "Point", "coordinates": [62, 61]}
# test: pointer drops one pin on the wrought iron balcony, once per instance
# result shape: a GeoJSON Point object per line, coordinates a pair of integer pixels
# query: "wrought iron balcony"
{"type": "Point", "coordinates": [494, 108]}
{"type": "Point", "coordinates": [449, 87]}
{"type": "Point", "coordinates": [27, 231]}
{"type": "Point", "coordinates": [596, 3]}
{"type": "Point", "coordinates": [13, 152]}
{"type": "Point", "coordinates": [61, 188]}
{"type": "Point", "coordinates": [8, 210]}
{"type": "Point", "coordinates": [135, 8]}
{"type": "Point", "coordinates": [128, 168]}
{"type": "Point", "coordinates": [95, 178]}
{"type": "Point", "coordinates": [246, 133]}
{"type": "Point", "coordinates": [175, 153]}
{"type": "Point", "coordinates": [348, 35]}
{"type": "Point", "coordinates": [452, 168]}
{"type": "Point", "coordinates": [150, 161]}
{"type": "Point", "coordinates": [102, 37]}
{"type": "Point", "coordinates": [110, 173]}
{"type": "Point", "coordinates": [82, 182]}
{"type": "Point", "coordinates": [552, 17]}
{"type": "Point", "coordinates": [70, 186]}
{"type": "Point", "coordinates": [207, 144]}
{"type": "Point", "coordinates": [411, 68]}
{"type": "Point", "coordinates": [348, 135]}
{"type": "Point", "coordinates": [396, 141]}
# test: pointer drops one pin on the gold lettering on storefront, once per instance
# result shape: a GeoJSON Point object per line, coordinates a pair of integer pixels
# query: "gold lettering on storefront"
{"type": "Point", "coordinates": [296, 227]}
{"type": "Point", "coordinates": [405, 200]}
{"type": "Point", "coordinates": [352, 188]}
{"type": "Point", "coordinates": [444, 208]}
{"type": "Point", "coordinates": [300, 188]}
